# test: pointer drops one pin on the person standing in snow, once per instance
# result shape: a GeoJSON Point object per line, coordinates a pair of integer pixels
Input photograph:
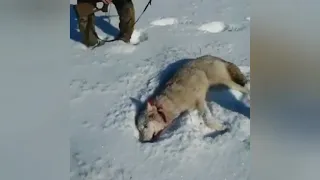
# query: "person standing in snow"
{"type": "Point", "coordinates": [85, 10]}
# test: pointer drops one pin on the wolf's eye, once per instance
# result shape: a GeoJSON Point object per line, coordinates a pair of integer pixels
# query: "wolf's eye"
{"type": "Point", "coordinates": [151, 116]}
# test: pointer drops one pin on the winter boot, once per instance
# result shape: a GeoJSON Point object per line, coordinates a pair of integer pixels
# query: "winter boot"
{"type": "Point", "coordinates": [126, 14]}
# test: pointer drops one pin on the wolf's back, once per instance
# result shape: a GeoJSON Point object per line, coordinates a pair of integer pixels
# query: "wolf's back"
{"type": "Point", "coordinates": [212, 63]}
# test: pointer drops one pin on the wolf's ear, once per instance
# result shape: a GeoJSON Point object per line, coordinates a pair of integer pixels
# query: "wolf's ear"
{"type": "Point", "coordinates": [136, 103]}
{"type": "Point", "coordinates": [149, 106]}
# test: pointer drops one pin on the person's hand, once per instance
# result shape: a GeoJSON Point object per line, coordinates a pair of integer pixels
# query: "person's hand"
{"type": "Point", "coordinates": [107, 1]}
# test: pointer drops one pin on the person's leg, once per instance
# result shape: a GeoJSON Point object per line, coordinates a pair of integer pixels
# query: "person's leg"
{"type": "Point", "coordinates": [86, 22]}
{"type": "Point", "coordinates": [126, 12]}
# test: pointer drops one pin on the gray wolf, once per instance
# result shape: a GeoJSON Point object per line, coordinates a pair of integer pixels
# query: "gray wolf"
{"type": "Point", "coordinates": [186, 91]}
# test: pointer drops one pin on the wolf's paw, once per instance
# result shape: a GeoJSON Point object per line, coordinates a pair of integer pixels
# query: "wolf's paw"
{"type": "Point", "coordinates": [218, 126]}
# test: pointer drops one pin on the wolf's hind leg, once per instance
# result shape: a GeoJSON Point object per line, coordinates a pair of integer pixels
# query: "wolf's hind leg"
{"type": "Point", "coordinates": [205, 113]}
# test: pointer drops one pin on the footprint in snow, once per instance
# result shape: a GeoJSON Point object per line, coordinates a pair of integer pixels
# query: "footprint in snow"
{"type": "Point", "coordinates": [164, 22]}
{"type": "Point", "coordinates": [219, 26]}
{"type": "Point", "coordinates": [213, 27]}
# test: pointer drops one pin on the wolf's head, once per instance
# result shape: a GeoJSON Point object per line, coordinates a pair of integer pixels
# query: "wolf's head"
{"type": "Point", "coordinates": [151, 122]}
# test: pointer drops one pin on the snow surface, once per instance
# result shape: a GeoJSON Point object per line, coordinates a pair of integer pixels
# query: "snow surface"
{"type": "Point", "coordinates": [103, 137]}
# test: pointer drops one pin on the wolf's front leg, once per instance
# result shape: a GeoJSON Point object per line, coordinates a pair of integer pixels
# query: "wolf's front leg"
{"type": "Point", "coordinates": [207, 117]}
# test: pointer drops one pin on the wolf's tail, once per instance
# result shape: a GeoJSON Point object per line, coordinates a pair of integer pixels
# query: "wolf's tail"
{"type": "Point", "coordinates": [236, 75]}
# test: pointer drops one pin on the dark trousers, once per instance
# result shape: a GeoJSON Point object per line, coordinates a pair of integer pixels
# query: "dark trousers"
{"type": "Point", "coordinates": [86, 20]}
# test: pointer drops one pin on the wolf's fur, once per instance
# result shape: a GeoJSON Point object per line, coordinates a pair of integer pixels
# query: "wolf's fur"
{"type": "Point", "coordinates": [186, 91]}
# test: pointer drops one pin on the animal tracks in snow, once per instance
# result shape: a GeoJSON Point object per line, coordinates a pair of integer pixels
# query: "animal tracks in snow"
{"type": "Point", "coordinates": [79, 87]}
{"type": "Point", "coordinates": [219, 26]}
{"type": "Point", "coordinates": [164, 22]}
{"type": "Point", "coordinates": [213, 27]}
{"type": "Point", "coordinates": [140, 35]}
{"type": "Point", "coordinates": [210, 27]}
{"type": "Point", "coordinates": [99, 169]}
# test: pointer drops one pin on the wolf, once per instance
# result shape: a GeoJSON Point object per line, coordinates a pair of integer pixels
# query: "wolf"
{"type": "Point", "coordinates": [186, 91]}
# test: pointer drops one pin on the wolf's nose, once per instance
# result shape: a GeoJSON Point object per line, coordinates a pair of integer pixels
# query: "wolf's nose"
{"type": "Point", "coordinates": [141, 139]}
{"type": "Point", "coordinates": [144, 141]}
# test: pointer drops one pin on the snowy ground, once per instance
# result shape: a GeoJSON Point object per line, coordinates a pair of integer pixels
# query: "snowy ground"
{"type": "Point", "coordinates": [103, 137]}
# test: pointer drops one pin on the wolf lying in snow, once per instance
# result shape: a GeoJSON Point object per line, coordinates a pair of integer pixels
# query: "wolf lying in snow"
{"type": "Point", "coordinates": [186, 91]}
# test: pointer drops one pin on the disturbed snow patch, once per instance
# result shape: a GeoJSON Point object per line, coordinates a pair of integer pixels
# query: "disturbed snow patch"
{"type": "Point", "coordinates": [164, 22]}
{"type": "Point", "coordinates": [138, 36]}
{"type": "Point", "coordinates": [213, 27]}
{"type": "Point", "coordinates": [218, 26]}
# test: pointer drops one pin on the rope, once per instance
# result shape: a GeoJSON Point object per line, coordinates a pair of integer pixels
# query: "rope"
{"type": "Point", "coordinates": [144, 10]}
